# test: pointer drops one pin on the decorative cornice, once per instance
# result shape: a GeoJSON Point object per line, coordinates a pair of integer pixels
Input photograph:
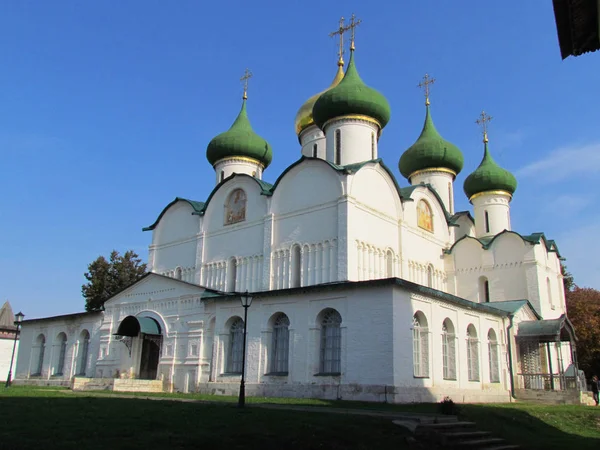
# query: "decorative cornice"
{"type": "Point", "coordinates": [432, 169]}
{"type": "Point", "coordinates": [359, 117]}
{"type": "Point", "coordinates": [240, 158]}
{"type": "Point", "coordinates": [496, 192]}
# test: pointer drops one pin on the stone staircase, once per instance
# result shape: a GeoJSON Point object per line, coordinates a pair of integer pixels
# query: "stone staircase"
{"type": "Point", "coordinates": [457, 435]}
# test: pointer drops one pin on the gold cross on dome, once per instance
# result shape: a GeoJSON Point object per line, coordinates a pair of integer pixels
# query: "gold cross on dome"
{"type": "Point", "coordinates": [353, 24]}
{"type": "Point", "coordinates": [427, 80]}
{"type": "Point", "coordinates": [483, 120]}
{"type": "Point", "coordinates": [341, 30]}
{"type": "Point", "coordinates": [244, 79]}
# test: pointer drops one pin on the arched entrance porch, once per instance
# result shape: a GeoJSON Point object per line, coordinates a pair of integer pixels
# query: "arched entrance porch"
{"type": "Point", "coordinates": [143, 338]}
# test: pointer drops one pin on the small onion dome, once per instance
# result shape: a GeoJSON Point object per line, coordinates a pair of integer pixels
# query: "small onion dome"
{"type": "Point", "coordinates": [304, 117]}
{"type": "Point", "coordinates": [489, 176]}
{"type": "Point", "coordinates": [351, 97]}
{"type": "Point", "coordinates": [430, 151]}
{"type": "Point", "coordinates": [239, 140]}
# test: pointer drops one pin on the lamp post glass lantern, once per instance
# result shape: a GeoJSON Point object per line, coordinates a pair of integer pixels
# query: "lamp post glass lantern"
{"type": "Point", "coordinates": [18, 320]}
{"type": "Point", "coordinates": [246, 300]}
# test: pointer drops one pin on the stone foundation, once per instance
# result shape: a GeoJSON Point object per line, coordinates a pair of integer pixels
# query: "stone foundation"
{"type": "Point", "coordinates": [92, 384]}
{"type": "Point", "coordinates": [59, 382]}
{"type": "Point", "coordinates": [134, 385]}
{"type": "Point", "coordinates": [549, 397]}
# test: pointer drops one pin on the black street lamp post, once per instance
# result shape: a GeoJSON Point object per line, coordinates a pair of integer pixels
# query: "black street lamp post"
{"type": "Point", "coordinates": [18, 319]}
{"type": "Point", "coordinates": [246, 300]}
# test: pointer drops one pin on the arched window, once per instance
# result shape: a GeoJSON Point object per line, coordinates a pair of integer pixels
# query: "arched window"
{"type": "Point", "coordinates": [235, 207]}
{"type": "Point", "coordinates": [231, 274]}
{"type": "Point", "coordinates": [487, 221]}
{"type": "Point", "coordinates": [280, 344]}
{"type": "Point", "coordinates": [484, 290]}
{"type": "Point", "coordinates": [430, 276]}
{"type": "Point", "coordinates": [60, 363]}
{"type": "Point", "coordinates": [314, 152]}
{"type": "Point", "coordinates": [236, 346]}
{"type": "Point", "coordinates": [493, 354]}
{"type": "Point", "coordinates": [331, 342]}
{"type": "Point", "coordinates": [448, 350]}
{"type": "Point", "coordinates": [338, 147]}
{"type": "Point", "coordinates": [296, 266]}
{"type": "Point", "coordinates": [450, 205]}
{"type": "Point", "coordinates": [41, 344]}
{"type": "Point", "coordinates": [472, 353]}
{"type": "Point", "coordinates": [222, 177]}
{"type": "Point", "coordinates": [84, 346]}
{"type": "Point", "coordinates": [424, 217]}
{"type": "Point", "coordinates": [420, 345]}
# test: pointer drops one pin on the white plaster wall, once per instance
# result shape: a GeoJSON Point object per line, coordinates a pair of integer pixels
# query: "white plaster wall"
{"type": "Point", "coordinates": [227, 167]}
{"type": "Point", "coordinates": [6, 348]}
{"type": "Point", "coordinates": [310, 137]}
{"type": "Point", "coordinates": [498, 208]}
{"type": "Point", "coordinates": [356, 143]}
{"type": "Point", "coordinates": [442, 182]}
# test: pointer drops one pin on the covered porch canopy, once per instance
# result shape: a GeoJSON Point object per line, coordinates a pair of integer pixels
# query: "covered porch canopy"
{"type": "Point", "coordinates": [132, 326]}
{"type": "Point", "coordinates": [542, 368]}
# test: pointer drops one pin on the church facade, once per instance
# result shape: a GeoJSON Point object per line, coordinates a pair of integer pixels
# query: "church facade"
{"type": "Point", "coordinates": [361, 288]}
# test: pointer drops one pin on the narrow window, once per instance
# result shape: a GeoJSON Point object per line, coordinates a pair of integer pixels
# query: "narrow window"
{"type": "Point", "coordinates": [60, 364]}
{"type": "Point", "coordinates": [331, 343]}
{"type": "Point", "coordinates": [296, 266]}
{"type": "Point", "coordinates": [487, 222]}
{"type": "Point", "coordinates": [338, 147]}
{"type": "Point", "coordinates": [472, 353]}
{"type": "Point", "coordinates": [450, 205]}
{"type": "Point", "coordinates": [493, 354]}
{"type": "Point", "coordinates": [84, 350]}
{"type": "Point", "coordinates": [222, 175]}
{"type": "Point", "coordinates": [41, 343]}
{"type": "Point", "coordinates": [484, 290]}
{"type": "Point", "coordinates": [236, 347]}
{"type": "Point", "coordinates": [280, 345]}
{"type": "Point", "coordinates": [448, 350]}
{"type": "Point", "coordinates": [420, 346]}
{"type": "Point", "coordinates": [372, 145]}
{"type": "Point", "coordinates": [314, 153]}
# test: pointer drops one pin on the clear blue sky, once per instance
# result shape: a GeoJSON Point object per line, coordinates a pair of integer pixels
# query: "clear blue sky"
{"type": "Point", "coordinates": [106, 109]}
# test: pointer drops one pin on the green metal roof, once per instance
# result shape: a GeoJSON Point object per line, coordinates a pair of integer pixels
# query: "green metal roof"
{"type": "Point", "coordinates": [512, 306]}
{"type": "Point", "coordinates": [489, 176]}
{"type": "Point", "coordinates": [351, 96]}
{"type": "Point", "coordinates": [239, 140]}
{"type": "Point", "coordinates": [534, 238]}
{"type": "Point", "coordinates": [132, 326]}
{"type": "Point", "coordinates": [430, 151]}
{"type": "Point", "coordinates": [560, 329]}
{"type": "Point", "coordinates": [197, 206]}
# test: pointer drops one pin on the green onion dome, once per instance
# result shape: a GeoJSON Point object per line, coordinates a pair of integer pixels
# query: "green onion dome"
{"type": "Point", "coordinates": [351, 97]}
{"type": "Point", "coordinates": [241, 141]}
{"type": "Point", "coordinates": [430, 151]}
{"type": "Point", "coordinates": [489, 176]}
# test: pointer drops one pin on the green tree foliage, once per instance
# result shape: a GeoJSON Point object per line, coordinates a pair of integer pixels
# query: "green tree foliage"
{"type": "Point", "coordinates": [583, 309]}
{"type": "Point", "coordinates": [568, 280]}
{"type": "Point", "coordinates": [108, 277]}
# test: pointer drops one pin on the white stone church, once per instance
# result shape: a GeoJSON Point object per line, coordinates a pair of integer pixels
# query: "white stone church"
{"type": "Point", "coordinates": [363, 287]}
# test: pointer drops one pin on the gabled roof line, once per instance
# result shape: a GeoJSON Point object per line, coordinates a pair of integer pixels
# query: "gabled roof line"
{"type": "Point", "coordinates": [194, 204]}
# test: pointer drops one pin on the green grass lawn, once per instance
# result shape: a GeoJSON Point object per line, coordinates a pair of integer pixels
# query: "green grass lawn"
{"type": "Point", "coordinates": [53, 418]}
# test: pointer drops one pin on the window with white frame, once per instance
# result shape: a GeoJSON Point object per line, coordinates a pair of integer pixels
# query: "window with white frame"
{"type": "Point", "coordinates": [236, 347]}
{"type": "Point", "coordinates": [448, 350]}
{"type": "Point", "coordinates": [280, 344]}
{"type": "Point", "coordinates": [493, 354]}
{"type": "Point", "coordinates": [472, 353]}
{"type": "Point", "coordinates": [420, 346]}
{"type": "Point", "coordinates": [331, 343]}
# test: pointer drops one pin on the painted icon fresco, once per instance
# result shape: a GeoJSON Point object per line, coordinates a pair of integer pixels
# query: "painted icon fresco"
{"type": "Point", "coordinates": [235, 208]}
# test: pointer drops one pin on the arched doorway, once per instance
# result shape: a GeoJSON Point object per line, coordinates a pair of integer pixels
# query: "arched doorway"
{"type": "Point", "coordinates": [148, 333]}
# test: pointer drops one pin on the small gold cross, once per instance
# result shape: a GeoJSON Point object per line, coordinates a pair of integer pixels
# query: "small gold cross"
{"type": "Point", "coordinates": [244, 79]}
{"type": "Point", "coordinates": [427, 80]}
{"type": "Point", "coordinates": [341, 30]}
{"type": "Point", "coordinates": [353, 24]}
{"type": "Point", "coordinates": [483, 120]}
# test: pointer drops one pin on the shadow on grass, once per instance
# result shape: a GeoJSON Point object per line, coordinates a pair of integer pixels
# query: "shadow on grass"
{"type": "Point", "coordinates": [91, 423]}
{"type": "Point", "coordinates": [539, 426]}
